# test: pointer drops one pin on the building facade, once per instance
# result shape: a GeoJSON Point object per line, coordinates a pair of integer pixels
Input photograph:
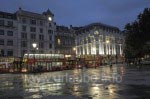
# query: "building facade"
{"type": "Point", "coordinates": [19, 30]}
{"type": "Point", "coordinates": [64, 40]}
{"type": "Point", "coordinates": [8, 34]}
{"type": "Point", "coordinates": [35, 28]}
{"type": "Point", "coordinates": [99, 39]}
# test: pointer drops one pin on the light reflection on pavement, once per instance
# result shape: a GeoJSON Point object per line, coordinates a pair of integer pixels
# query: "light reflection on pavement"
{"type": "Point", "coordinates": [100, 83]}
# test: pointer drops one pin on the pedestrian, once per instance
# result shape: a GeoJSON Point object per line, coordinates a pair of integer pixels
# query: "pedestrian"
{"type": "Point", "coordinates": [110, 64]}
{"type": "Point", "coordinates": [139, 61]}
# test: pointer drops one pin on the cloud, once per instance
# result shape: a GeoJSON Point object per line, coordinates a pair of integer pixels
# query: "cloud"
{"type": "Point", "coordinates": [82, 12]}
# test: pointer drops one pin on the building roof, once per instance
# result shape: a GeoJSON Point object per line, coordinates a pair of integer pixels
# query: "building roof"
{"type": "Point", "coordinates": [62, 28]}
{"type": "Point", "coordinates": [48, 12]}
{"type": "Point", "coordinates": [102, 24]}
{"type": "Point", "coordinates": [79, 30]}
{"type": "Point", "coordinates": [7, 15]}
{"type": "Point", "coordinates": [96, 24]}
{"type": "Point", "coordinates": [24, 12]}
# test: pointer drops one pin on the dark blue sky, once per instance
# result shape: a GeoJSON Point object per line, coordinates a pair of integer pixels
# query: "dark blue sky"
{"type": "Point", "coordinates": [82, 12]}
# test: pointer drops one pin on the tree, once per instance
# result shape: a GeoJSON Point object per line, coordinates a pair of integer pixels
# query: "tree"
{"type": "Point", "coordinates": [137, 36]}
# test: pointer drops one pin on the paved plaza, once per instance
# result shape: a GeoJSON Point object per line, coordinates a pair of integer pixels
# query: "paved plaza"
{"type": "Point", "coordinates": [118, 81]}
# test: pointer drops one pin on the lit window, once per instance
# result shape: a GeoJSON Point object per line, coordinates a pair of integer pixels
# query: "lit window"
{"type": "Point", "coordinates": [58, 41]}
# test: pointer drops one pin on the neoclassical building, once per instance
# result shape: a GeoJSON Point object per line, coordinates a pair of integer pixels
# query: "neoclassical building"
{"type": "Point", "coordinates": [19, 30]}
{"type": "Point", "coordinates": [8, 34]}
{"type": "Point", "coordinates": [99, 39]}
{"type": "Point", "coordinates": [35, 28]}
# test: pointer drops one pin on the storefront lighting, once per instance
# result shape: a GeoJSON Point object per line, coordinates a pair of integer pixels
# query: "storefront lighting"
{"type": "Point", "coordinates": [107, 41]}
{"type": "Point", "coordinates": [74, 48]}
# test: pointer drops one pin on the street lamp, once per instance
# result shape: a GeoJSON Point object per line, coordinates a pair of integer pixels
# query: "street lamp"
{"type": "Point", "coordinates": [74, 57]}
{"type": "Point", "coordinates": [34, 46]}
{"type": "Point", "coordinates": [74, 49]}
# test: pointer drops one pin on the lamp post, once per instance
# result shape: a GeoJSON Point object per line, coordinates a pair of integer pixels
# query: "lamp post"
{"type": "Point", "coordinates": [94, 50]}
{"type": "Point", "coordinates": [74, 52]}
{"type": "Point", "coordinates": [37, 55]}
{"type": "Point", "coordinates": [34, 45]}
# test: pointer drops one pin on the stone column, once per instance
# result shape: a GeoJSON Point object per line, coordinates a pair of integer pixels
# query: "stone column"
{"type": "Point", "coordinates": [106, 49]}
{"type": "Point", "coordinates": [87, 47]}
{"type": "Point", "coordinates": [115, 49]}
{"type": "Point", "coordinates": [101, 48]}
{"type": "Point", "coordinates": [120, 49]}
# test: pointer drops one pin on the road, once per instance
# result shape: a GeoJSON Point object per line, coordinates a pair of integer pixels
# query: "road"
{"type": "Point", "coordinates": [118, 81]}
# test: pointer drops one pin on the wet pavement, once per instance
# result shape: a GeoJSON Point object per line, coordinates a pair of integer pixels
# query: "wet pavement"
{"type": "Point", "coordinates": [118, 81]}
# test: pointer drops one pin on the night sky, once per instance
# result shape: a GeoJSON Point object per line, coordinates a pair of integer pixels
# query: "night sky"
{"type": "Point", "coordinates": [82, 12]}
